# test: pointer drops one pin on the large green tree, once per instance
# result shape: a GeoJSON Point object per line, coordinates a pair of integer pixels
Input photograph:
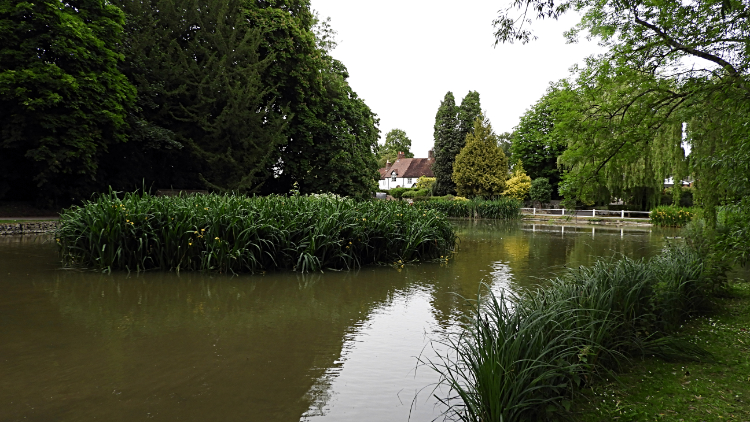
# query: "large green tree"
{"type": "Point", "coordinates": [468, 112]}
{"type": "Point", "coordinates": [446, 145]}
{"type": "Point", "coordinates": [395, 141]}
{"type": "Point", "coordinates": [481, 168]}
{"type": "Point", "coordinates": [535, 142]}
{"type": "Point", "coordinates": [674, 71]}
{"type": "Point", "coordinates": [452, 125]}
{"type": "Point", "coordinates": [331, 133]}
{"type": "Point", "coordinates": [63, 100]}
{"type": "Point", "coordinates": [198, 73]}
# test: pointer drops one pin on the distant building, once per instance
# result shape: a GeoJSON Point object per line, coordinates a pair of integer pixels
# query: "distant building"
{"type": "Point", "coordinates": [404, 172]}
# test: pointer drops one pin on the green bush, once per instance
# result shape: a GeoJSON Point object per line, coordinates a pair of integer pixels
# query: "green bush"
{"type": "Point", "coordinates": [503, 208]}
{"type": "Point", "coordinates": [671, 216]}
{"type": "Point", "coordinates": [415, 193]}
{"type": "Point", "coordinates": [733, 233]}
{"type": "Point", "coordinates": [235, 233]}
{"type": "Point", "coordinates": [398, 192]}
{"type": "Point", "coordinates": [522, 356]}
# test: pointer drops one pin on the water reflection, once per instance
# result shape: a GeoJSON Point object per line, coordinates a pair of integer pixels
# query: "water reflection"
{"type": "Point", "coordinates": [281, 347]}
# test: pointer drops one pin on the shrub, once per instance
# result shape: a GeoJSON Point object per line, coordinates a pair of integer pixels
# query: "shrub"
{"type": "Point", "coordinates": [425, 182]}
{"type": "Point", "coordinates": [540, 191]}
{"type": "Point", "coordinates": [519, 185]}
{"type": "Point", "coordinates": [671, 216]}
{"type": "Point", "coordinates": [415, 193]}
{"type": "Point", "coordinates": [235, 233]}
{"type": "Point", "coordinates": [503, 208]}
{"type": "Point", "coordinates": [398, 192]}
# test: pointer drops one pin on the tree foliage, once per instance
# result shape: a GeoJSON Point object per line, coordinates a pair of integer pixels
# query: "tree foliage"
{"type": "Point", "coordinates": [535, 142]}
{"type": "Point", "coordinates": [331, 134]}
{"type": "Point", "coordinates": [540, 191]}
{"type": "Point", "coordinates": [481, 167]}
{"type": "Point", "coordinates": [198, 73]}
{"type": "Point", "coordinates": [468, 112]}
{"type": "Point", "coordinates": [519, 184]}
{"type": "Point", "coordinates": [452, 125]}
{"type": "Point", "coordinates": [446, 140]}
{"type": "Point", "coordinates": [63, 100]}
{"type": "Point", "coordinates": [395, 141]}
{"type": "Point", "coordinates": [235, 95]}
{"type": "Point", "coordinates": [674, 72]}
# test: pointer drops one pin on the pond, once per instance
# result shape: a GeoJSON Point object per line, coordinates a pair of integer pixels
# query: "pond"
{"type": "Point", "coordinates": [338, 346]}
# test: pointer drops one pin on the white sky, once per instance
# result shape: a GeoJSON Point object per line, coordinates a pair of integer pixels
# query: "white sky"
{"type": "Point", "coordinates": [403, 56]}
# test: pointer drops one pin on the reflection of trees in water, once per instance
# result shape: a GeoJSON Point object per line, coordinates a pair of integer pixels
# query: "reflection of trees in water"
{"type": "Point", "coordinates": [509, 255]}
{"type": "Point", "coordinates": [283, 329]}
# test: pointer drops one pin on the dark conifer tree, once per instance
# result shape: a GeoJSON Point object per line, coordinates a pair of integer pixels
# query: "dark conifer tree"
{"type": "Point", "coordinates": [468, 112]}
{"type": "Point", "coordinates": [446, 141]}
{"type": "Point", "coordinates": [198, 72]}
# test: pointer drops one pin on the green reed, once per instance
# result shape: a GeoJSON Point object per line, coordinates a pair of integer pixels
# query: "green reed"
{"type": "Point", "coordinates": [235, 233]}
{"type": "Point", "coordinates": [522, 357]}
{"type": "Point", "coordinates": [501, 209]}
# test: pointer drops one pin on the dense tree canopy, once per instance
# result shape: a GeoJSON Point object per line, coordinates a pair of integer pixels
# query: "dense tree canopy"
{"type": "Point", "coordinates": [468, 112]}
{"type": "Point", "coordinates": [481, 168]}
{"type": "Point", "coordinates": [236, 95]}
{"type": "Point", "coordinates": [446, 140]}
{"type": "Point", "coordinates": [63, 100]}
{"type": "Point", "coordinates": [198, 74]}
{"type": "Point", "coordinates": [535, 142]}
{"type": "Point", "coordinates": [673, 72]}
{"type": "Point", "coordinates": [331, 135]}
{"type": "Point", "coordinates": [395, 141]}
{"type": "Point", "coordinates": [452, 125]}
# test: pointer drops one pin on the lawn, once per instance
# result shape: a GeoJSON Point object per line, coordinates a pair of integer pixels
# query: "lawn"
{"type": "Point", "coordinates": [655, 390]}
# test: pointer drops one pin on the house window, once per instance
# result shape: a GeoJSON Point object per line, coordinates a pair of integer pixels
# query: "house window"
{"type": "Point", "coordinates": [408, 181]}
{"type": "Point", "coordinates": [393, 176]}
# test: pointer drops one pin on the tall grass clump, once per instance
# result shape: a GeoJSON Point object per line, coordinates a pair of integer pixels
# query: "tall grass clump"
{"type": "Point", "coordinates": [522, 357]}
{"type": "Point", "coordinates": [671, 216]}
{"type": "Point", "coordinates": [500, 209]}
{"type": "Point", "coordinates": [234, 233]}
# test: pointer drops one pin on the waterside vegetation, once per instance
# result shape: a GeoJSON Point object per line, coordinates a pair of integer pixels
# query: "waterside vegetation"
{"type": "Point", "coordinates": [235, 233]}
{"type": "Point", "coordinates": [503, 208]}
{"type": "Point", "coordinates": [522, 357]}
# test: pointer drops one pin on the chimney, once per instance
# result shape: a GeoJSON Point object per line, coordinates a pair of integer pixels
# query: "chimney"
{"type": "Point", "coordinates": [387, 165]}
{"type": "Point", "coordinates": [400, 155]}
{"type": "Point", "coordinates": [431, 154]}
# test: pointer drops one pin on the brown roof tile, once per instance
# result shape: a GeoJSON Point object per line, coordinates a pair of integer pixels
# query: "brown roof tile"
{"type": "Point", "coordinates": [410, 167]}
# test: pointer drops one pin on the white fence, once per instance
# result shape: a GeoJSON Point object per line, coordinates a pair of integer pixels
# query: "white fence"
{"type": "Point", "coordinates": [587, 213]}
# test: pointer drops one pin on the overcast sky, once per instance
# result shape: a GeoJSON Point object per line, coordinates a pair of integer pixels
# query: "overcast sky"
{"type": "Point", "coordinates": [403, 56]}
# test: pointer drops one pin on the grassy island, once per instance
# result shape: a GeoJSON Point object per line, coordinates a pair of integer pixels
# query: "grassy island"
{"type": "Point", "coordinates": [235, 233]}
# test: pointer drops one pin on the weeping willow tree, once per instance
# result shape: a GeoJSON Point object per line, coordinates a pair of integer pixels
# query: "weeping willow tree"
{"type": "Point", "coordinates": [672, 72]}
{"type": "Point", "coordinates": [627, 130]}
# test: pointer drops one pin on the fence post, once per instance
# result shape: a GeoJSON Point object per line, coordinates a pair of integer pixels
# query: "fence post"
{"type": "Point", "coordinates": [593, 212]}
{"type": "Point", "coordinates": [623, 214]}
{"type": "Point", "coordinates": [534, 210]}
{"type": "Point", "coordinates": [563, 211]}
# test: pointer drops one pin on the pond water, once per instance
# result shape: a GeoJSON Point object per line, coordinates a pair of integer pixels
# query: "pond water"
{"type": "Point", "coordinates": [339, 346]}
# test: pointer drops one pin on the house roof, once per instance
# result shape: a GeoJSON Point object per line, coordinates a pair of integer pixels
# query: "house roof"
{"type": "Point", "coordinates": [409, 167]}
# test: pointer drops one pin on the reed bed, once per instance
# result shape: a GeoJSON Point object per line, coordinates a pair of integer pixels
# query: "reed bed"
{"type": "Point", "coordinates": [235, 233]}
{"type": "Point", "coordinates": [522, 357]}
{"type": "Point", "coordinates": [500, 209]}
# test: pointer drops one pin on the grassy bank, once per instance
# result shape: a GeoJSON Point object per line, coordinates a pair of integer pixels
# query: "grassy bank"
{"type": "Point", "coordinates": [658, 390]}
{"type": "Point", "coordinates": [523, 357]}
{"type": "Point", "coordinates": [501, 209]}
{"type": "Point", "coordinates": [233, 233]}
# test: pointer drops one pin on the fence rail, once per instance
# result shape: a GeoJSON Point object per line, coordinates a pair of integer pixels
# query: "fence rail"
{"type": "Point", "coordinates": [587, 213]}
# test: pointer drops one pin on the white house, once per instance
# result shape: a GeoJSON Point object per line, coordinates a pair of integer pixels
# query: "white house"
{"type": "Point", "coordinates": [404, 172]}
